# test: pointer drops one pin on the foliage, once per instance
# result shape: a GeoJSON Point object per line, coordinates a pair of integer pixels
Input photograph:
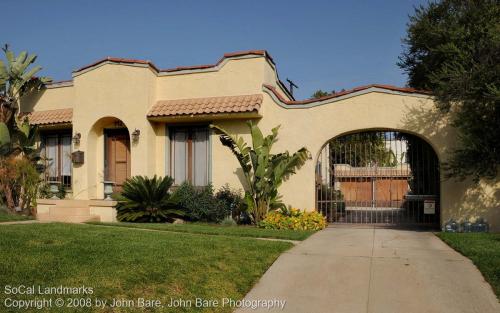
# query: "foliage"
{"type": "Point", "coordinates": [19, 183]}
{"type": "Point", "coordinates": [27, 180]}
{"type": "Point", "coordinates": [293, 219]}
{"type": "Point", "coordinates": [233, 200]}
{"type": "Point", "coordinates": [200, 204]}
{"type": "Point", "coordinates": [45, 193]}
{"type": "Point", "coordinates": [319, 94]}
{"type": "Point", "coordinates": [416, 151]}
{"type": "Point", "coordinates": [453, 50]}
{"type": "Point", "coordinates": [333, 199]}
{"type": "Point", "coordinates": [326, 192]}
{"type": "Point", "coordinates": [19, 139]}
{"type": "Point", "coordinates": [7, 182]}
{"type": "Point", "coordinates": [146, 199]}
{"type": "Point", "coordinates": [362, 149]}
{"type": "Point", "coordinates": [16, 80]}
{"type": "Point", "coordinates": [263, 171]}
{"type": "Point", "coordinates": [18, 154]}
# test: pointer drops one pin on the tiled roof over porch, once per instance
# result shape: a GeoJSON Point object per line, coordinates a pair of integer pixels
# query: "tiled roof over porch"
{"type": "Point", "coordinates": [47, 117]}
{"type": "Point", "coordinates": [227, 104]}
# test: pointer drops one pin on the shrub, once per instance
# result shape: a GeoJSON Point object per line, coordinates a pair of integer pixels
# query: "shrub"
{"type": "Point", "coordinates": [28, 179]}
{"type": "Point", "coordinates": [45, 193]}
{"type": "Point", "coordinates": [200, 204]}
{"type": "Point", "coordinates": [19, 183]}
{"type": "Point", "coordinates": [146, 199]}
{"type": "Point", "coordinates": [233, 200]}
{"type": "Point", "coordinates": [293, 219]}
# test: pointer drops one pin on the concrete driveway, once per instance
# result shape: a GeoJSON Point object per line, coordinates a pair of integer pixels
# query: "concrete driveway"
{"type": "Point", "coordinates": [345, 270]}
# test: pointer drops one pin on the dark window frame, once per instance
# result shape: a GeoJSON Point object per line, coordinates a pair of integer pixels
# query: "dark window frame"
{"type": "Point", "coordinates": [189, 161]}
{"type": "Point", "coordinates": [66, 180]}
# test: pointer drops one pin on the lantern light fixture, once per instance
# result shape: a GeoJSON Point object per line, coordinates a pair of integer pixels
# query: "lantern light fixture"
{"type": "Point", "coordinates": [76, 138]}
{"type": "Point", "coordinates": [135, 135]}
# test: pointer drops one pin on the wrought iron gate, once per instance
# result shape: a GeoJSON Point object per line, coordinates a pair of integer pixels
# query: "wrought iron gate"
{"type": "Point", "coordinates": [378, 177]}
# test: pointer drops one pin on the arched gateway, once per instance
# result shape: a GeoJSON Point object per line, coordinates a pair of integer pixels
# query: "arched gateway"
{"type": "Point", "coordinates": [378, 177]}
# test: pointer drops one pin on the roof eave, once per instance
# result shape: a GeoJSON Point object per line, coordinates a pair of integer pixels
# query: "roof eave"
{"type": "Point", "coordinates": [54, 126]}
{"type": "Point", "coordinates": [184, 118]}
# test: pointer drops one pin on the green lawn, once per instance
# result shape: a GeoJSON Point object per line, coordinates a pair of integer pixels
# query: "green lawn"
{"type": "Point", "coordinates": [483, 249]}
{"type": "Point", "coordinates": [128, 263]}
{"type": "Point", "coordinates": [6, 216]}
{"type": "Point", "coordinates": [208, 229]}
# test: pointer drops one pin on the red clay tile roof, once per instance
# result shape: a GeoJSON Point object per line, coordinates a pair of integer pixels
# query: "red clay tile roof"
{"type": "Point", "coordinates": [180, 68]}
{"type": "Point", "coordinates": [226, 55]}
{"type": "Point", "coordinates": [228, 104]}
{"type": "Point", "coordinates": [120, 61]}
{"type": "Point", "coordinates": [346, 92]}
{"type": "Point", "coordinates": [51, 117]}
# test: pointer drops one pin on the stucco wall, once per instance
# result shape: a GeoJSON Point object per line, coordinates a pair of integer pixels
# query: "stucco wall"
{"type": "Point", "coordinates": [236, 77]}
{"type": "Point", "coordinates": [49, 99]}
{"type": "Point", "coordinates": [102, 95]}
{"type": "Point", "coordinates": [313, 127]}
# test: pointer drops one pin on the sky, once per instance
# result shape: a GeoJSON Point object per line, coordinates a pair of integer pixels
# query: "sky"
{"type": "Point", "coordinates": [318, 44]}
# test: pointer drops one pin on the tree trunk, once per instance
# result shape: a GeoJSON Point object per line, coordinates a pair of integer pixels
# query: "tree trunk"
{"type": "Point", "coordinates": [260, 211]}
{"type": "Point", "coordinates": [7, 190]}
{"type": "Point", "coordinates": [6, 110]}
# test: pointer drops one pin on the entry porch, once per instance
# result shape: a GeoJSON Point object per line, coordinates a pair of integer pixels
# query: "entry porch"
{"type": "Point", "coordinates": [76, 211]}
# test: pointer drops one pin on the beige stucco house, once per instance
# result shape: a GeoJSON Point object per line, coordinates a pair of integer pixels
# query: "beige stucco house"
{"type": "Point", "coordinates": [130, 118]}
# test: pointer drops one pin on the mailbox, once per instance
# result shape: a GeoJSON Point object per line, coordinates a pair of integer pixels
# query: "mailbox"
{"type": "Point", "coordinates": [77, 157]}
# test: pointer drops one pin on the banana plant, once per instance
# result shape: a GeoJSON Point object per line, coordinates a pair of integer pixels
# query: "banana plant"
{"type": "Point", "coordinates": [17, 136]}
{"type": "Point", "coordinates": [17, 78]}
{"type": "Point", "coordinates": [264, 172]}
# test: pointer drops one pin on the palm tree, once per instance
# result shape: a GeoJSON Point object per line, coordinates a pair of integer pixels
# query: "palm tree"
{"type": "Point", "coordinates": [264, 172]}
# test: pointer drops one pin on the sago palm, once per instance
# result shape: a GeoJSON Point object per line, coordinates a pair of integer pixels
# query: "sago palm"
{"type": "Point", "coordinates": [146, 199]}
{"type": "Point", "coordinates": [264, 172]}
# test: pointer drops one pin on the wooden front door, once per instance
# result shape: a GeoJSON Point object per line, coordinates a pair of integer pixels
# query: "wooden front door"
{"type": "Point", "coordinates": [117, 157]}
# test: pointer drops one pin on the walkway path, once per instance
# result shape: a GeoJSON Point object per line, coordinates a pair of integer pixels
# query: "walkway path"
{"type": "Point", "coordinates": [20, 222]}
{"type": "Point", "coordinates": [374, 270]}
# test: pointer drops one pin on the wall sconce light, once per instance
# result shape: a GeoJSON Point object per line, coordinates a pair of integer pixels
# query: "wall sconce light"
{"type": "Point", "coordinates": [76, 138]}
{"type": "Point", "coordinates": [135, 135]}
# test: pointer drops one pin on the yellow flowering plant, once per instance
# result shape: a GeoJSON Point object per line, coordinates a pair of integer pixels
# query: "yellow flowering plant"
{"type": "Point", "coordinates": [294, 219]}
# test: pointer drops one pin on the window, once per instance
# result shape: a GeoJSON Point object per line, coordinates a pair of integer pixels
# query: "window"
{"type": "Point", "coordinates": [56, 151]}
{"type": "Point", "coordinates": [189, 155]}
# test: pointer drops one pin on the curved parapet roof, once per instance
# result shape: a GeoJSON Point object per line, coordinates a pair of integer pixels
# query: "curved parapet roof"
{"type": "Point", "coordinates": [176, 70]}
{"type": "Point", "coordinates": [279, 99]}
{"type": "Point", "coordinates": [150, 64]}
